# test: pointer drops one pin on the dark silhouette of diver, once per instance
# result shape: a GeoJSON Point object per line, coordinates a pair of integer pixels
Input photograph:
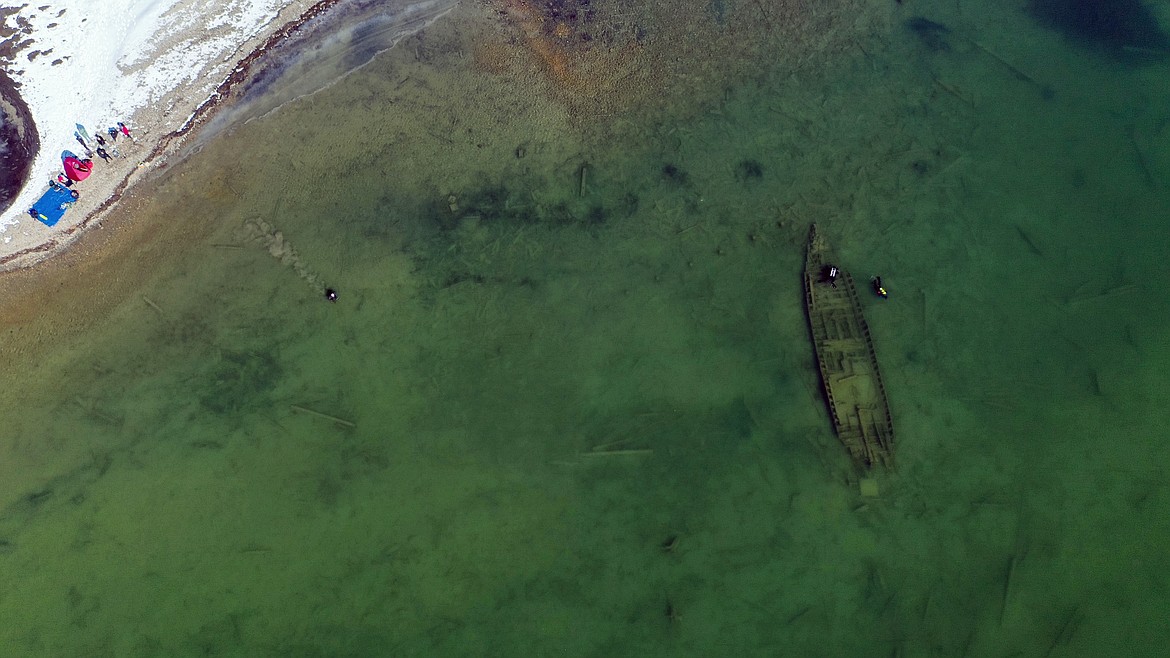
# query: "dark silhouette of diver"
{"type": "Point", "coordinates": [331, 294]}
{"type": "Point", "coordinates": [878, 288]}
{"type": "Point", "coordinates": [829, 274]}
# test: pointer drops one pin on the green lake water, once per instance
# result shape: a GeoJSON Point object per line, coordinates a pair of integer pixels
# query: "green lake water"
{"type": "Point", "coordinates": [580, 414]}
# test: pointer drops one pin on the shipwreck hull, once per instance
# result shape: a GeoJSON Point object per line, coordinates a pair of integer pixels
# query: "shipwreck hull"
{"type": "Point", "coordinates": [851, 380]}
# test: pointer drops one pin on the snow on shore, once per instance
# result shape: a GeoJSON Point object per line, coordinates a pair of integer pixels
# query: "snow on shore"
{"type": "Point", "coordinates": [149, 63]}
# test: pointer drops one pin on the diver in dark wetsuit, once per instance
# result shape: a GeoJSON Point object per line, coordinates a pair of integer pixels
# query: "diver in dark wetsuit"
{"type": "Point", "coordinates": [829, 274]}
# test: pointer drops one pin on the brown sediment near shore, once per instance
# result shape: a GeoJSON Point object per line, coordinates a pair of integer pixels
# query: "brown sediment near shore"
{"type": "Point", "coordinates": [70, 264]}
{"type": "Point", "coordinates": [606, 76]}
{"type": "Point", "coordinates": [165, 147]}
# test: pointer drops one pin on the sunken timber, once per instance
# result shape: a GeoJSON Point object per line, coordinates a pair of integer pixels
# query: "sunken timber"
{"type": "Point", "coordinates": [852, 383]}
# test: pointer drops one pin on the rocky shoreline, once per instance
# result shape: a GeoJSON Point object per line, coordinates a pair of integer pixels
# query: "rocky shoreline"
{"type": "Point", "coordinates": [18, 134]}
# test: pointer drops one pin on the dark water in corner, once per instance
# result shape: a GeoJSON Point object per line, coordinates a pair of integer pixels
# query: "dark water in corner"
{"type": "Point", "coordinates": [581, 418]}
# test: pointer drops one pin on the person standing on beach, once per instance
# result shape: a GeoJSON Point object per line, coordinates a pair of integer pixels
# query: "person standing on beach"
{"type": "Point", "coordinates": [102, 154]}
{"type": "Point", "coordinates": [125, 130]}
{"type": "Point", "coordinates": [100, 140]}
{"type": "Point", "coordinates": [113, 132]}
{"type": "Point", "coordinates": [80, 140]}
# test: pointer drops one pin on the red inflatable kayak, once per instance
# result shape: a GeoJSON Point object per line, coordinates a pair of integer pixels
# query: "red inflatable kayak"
{"type": "Point", "coordinates": [77, 169]}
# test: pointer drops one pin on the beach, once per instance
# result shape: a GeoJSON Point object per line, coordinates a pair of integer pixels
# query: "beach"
{"type": "Point", "coordinates": [566, 400]}
{"type": "Point", "coordinates": [77, 64]}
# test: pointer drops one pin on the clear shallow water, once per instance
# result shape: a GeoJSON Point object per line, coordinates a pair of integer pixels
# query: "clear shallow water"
{"type": "Point", "coordinates": [165, 496]}
{"type": "Point", "coordinates": [322, 51]}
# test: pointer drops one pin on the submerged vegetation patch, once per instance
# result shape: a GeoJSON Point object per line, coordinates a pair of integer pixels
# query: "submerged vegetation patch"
{"type": "Point", "coordinates": [749, 170]}
{"type": "Point", "coordinates": [240, 380]}
{"type": "Point", "coordinates": [513, 202]}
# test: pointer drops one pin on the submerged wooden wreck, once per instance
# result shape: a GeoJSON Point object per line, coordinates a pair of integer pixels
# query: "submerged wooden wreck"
{"type": "Point", "coordinates": [844, 350]}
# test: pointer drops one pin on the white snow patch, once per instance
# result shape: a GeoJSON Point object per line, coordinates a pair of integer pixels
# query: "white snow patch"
{"type": "Point", "coordinates": [117, 57]}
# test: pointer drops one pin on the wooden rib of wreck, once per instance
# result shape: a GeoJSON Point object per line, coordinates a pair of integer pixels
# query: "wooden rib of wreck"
{"type": "Point", "coordinates": [844, 351]}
